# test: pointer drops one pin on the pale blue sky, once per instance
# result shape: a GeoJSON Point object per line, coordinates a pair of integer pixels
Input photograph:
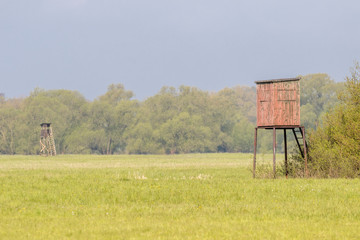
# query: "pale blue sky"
{"type": "Point", "coordinates": [86, 45]}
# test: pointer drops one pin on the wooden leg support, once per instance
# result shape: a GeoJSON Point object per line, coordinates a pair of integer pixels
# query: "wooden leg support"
{"type": "Point", "coordinates": [255, 145]}
{"type": "Point", "coordinates": [274, 151]}
{"type": "Point", "coordinates": [285, 150]}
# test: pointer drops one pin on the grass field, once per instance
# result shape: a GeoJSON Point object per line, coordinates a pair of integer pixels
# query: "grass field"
{"type": "Point", "coordinates": [198, 196]}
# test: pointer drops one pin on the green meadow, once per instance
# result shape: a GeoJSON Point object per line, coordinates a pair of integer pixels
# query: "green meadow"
{"type": "Point", "coordinates": [195, 196]}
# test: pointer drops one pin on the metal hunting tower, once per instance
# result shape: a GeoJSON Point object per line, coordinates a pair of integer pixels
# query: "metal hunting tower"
{"type": "Point", "coordinates": [47, 142]}
{"type": "Point", "coordinates": [278, 107]}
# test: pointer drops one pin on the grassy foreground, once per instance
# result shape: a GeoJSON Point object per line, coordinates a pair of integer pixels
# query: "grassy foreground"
{"type": "Point", "coordinates": [200, 196]}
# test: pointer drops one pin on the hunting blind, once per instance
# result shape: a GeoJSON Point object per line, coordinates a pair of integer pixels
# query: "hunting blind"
{"type": "Point", "coordinates": [278, 107]}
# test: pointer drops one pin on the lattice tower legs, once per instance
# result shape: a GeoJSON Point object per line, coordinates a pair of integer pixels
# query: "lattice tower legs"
{"type": "Point", "coordinates": [47, 143]}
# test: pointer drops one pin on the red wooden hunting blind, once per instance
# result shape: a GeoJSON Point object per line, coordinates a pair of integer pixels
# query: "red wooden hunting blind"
{"type": "Point", "coordinates": [278, 107]}
{"type": "Point", "coordinates": [278, 102]}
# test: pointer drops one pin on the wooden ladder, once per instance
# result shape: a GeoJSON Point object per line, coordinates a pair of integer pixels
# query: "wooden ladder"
{"type": "Point", "coordinates": [301, 138]}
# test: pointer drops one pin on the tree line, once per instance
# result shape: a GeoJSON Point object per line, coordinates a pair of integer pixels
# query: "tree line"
{"type": "Point", "coordinates": [175, 120]}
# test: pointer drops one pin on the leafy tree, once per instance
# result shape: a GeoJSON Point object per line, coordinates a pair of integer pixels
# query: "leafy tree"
{"type": "Point", "coordinates": [335, 146]}
{"type": "Point", "coordinates": [185, 134]}
{"type": "Point", "coordinates": [8, 123]}
{"type": "Point", "coordinates": [113, 113]}
{"type": "Point", "coordinates": [242, 136]}
{"type": "Point", "coordinates": [164, 113]}
{"type": "Point", "coordinates": [115, 94]}
{"type": "Point", "coordinates": [85, 140]}
{"type": "Point", "coordinates": [231, 109]}
{"type": "Point", "coordinates": [318, 95]}
{"type": "Point", "coordinates": [158, 109]}
{"type": "Point", "coordinates": [143, 139]}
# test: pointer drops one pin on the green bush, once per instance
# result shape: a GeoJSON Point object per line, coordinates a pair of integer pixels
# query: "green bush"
{"type": "Point", "coordinates": [335, 146]}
